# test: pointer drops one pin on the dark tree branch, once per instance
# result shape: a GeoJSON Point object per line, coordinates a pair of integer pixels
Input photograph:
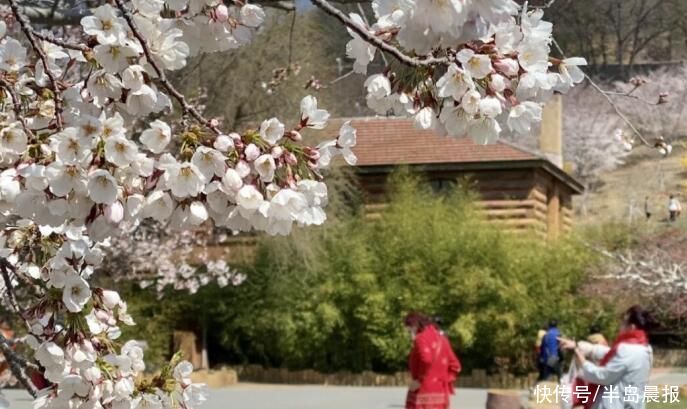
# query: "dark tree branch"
{"type": "Point", "coordinates": [64, 44]}
{"type": "Point", "coordinates": [16, 105]}
{"type": "Point", "coordinates": [185, 105]}
{"type": "Point", "coordinates": [29, 33]}
{"type": "Point", "coordinates": [328, 8]}
{"type": "Point", "coordinates": [17, 365]}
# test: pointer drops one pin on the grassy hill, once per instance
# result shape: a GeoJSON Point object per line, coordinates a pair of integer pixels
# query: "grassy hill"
{"type": "Point", "coordinates": [622, 192]}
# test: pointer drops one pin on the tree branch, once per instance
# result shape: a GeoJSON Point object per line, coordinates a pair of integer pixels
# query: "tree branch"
{"type": "Point", "coordinates": [369, 37]}
{"type": "Point", "coordinates": [15, 362]}
{"type": "Point", "coordinates": [610, 101]}
{"type": "Point", "coordinates": [185, 106]}
{"type": "Point", "coordinates": [16, 105]}
{"type": "Point", "coordinates": [50, 14]}
{"type": "Point", "coordinates": [64, 44]}
{"type": "Point", "coordinates": [25, 24]}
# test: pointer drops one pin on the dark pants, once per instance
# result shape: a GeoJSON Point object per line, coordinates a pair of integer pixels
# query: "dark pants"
{"type": "Point", "coordinates": [545, 371]}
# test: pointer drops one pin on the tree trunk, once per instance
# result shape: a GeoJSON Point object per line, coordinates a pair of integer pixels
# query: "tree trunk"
{"type": "Point", "coordinates": [503, 399]}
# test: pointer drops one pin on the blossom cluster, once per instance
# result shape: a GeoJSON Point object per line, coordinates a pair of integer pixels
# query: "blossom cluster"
{"type": "Point", "coordinates": [86, 154]}
{"type": "Point", "coordinates": [156, 258]}
{"type": "Point", "coordinates": [484, 66]}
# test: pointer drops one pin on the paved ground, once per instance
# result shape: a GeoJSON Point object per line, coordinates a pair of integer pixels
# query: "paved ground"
{"type": "Point", "coordinates": [255, 396]}
{"type": "Point", "coordinates": [251, 396]}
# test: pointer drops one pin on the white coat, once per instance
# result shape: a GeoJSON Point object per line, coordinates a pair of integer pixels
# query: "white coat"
{"type": "Point", "coordinates": [624, 377]}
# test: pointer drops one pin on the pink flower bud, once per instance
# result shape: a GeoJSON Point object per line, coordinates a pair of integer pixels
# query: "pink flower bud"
{"type": "Point", "coordinates": [102, 315]}
{"type": "Point", "coordinates": [313, 154]}
{"type": "Point", "coordinates": [238, 142]}
{"type": "Point", "coordinates": [277, 151]}
{"type": "Point", "coordinates": [507, 66]}
{"type": "Point", "coordinates": [290, 158]}
{"type": "Point", "coordinates": [295, 136]}
{"type": "Point", "coordinates": [252, 152]}
{"type": "Point", "coordinates": [221, 13]}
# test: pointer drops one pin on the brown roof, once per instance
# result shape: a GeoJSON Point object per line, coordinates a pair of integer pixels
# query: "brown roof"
{"type": "Point", "coordinates": [386, 142]}
{"type": "Point", "coordinates": [395, 141]}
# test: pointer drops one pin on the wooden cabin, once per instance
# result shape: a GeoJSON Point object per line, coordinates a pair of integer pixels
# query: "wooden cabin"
{"type": "Point", "coordinates": [517, 188]}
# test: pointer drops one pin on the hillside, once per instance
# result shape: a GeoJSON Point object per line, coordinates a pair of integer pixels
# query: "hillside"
{"type": "Point", "coordinates": [623, 191]}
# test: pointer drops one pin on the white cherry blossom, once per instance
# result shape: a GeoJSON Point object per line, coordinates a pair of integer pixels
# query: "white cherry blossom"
{"type": "Point", "coordinates": [271, 130]}
{"type": "Point", "coordinates": [102, 187]}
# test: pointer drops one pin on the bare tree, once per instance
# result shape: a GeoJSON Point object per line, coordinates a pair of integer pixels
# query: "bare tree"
{"type": "Point", "coordinates": [658, 120]}
{"type": "Point", "coordinates": [622, 32]}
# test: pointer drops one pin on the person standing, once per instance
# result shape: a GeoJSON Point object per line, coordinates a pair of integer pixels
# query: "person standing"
{"type": "Point", "coordinates": [647, 208]}
{"type": "Point", "coordinates": [537, 348]}
{"type": "Point", "coordinates": [674, 208]}
{"type": "Point", "coordinates": [550, 354]}
{"type": "Point", "coordinates": [433, 365]}
{"type": "Point", "coordinates": [619, 380]}
{"type": "Point", "coordinates": [595, 336]}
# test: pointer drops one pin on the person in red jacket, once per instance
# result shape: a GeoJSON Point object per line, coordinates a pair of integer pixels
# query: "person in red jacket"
{"type": "Point", "coordinates": [433, 365]}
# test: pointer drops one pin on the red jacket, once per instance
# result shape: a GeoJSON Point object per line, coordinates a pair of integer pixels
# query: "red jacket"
{"type": "Point", "coordinates": [435, 366]}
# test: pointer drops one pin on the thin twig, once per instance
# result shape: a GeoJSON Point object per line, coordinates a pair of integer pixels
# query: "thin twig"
{"type": "Point", "coordinates": [8, 285]}
{"type": "Point", "coordinates": [369, 37]}
{"type": "Point", "coordinates": [30, 35]}
{"type": "Point", "coordinates": [610, 101]}
{"type": "Point", "coordinates": [64, 44]}
{"type": "Point", "coordinates": [15, 361]}
{"type": "Point", "coordinates": [346, 75]}
{"type": "Point", "coordinates": [543, 6]}
{"type": "Point", "coordinates": [16, 105]}
{"type": "Point", "coordinates": [618, 111]}
{"type": "Point", "coordinates": [185, 106]}
{"type": "Point", "coordinates": [291, 29]}
{"type": "Point", "coordinates": [364, 16]}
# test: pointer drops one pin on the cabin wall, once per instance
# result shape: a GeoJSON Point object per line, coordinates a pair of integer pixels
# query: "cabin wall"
{"type": "Point", "coordinates": [556, 197]}
{"type": "Point", "coordinates": [516, 199]}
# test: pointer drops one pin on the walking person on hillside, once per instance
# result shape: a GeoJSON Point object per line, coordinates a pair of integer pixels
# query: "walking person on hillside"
{"type": "Point", "coordinates": [433, 365]}
{"type": "Point", "coordinates": [550, 353]}
{"type": "Point", "coordinates": [619, 379]}
{"type": "Point", "coordinates": [647, 208]}
{"type": "Point", "coordinates": [674, 208]}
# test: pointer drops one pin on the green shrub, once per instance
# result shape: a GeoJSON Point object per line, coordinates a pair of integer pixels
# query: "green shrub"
{"type": "Point", "coordinates": [332, 298]}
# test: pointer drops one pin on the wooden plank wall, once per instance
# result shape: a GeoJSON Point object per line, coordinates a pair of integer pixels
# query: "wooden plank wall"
{"type": "Point", "coordinates": [516, 199]}
{"type": "Point", "coordinates": [506, 196]}
{"type": "Point", "coordinates": [557, 198]}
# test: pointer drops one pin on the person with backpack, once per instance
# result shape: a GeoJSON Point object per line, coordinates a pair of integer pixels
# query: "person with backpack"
{"type": "Point", "coordinates": [433, 365]}
{"type": "Point", "coordinates": [550, 353]}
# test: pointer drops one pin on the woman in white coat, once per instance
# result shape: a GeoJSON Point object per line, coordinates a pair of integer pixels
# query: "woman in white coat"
{"type": "Point", "coordinates": [619, 378]}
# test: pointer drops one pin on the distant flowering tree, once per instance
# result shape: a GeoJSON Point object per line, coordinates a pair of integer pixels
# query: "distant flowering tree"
{"type": "Point", "coordinates": [657, 276]}
{"type": "Point", "coordinates": [88, 149]}
{"type": "Point", "coordinates": [594, 141]}
{"type": "Point", "coordinates": [153, 256]}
